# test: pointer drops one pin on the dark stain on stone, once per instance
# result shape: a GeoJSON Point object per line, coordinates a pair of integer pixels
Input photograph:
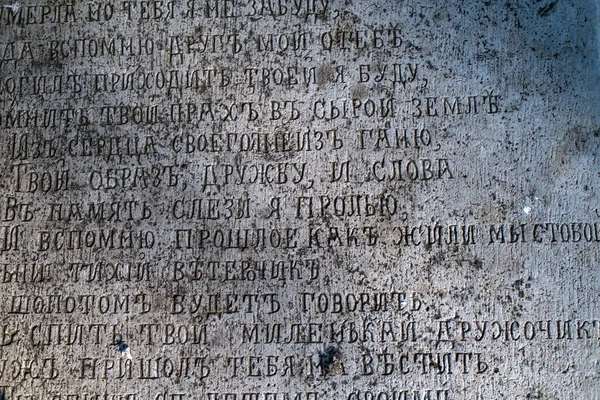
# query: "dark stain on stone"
{"type": "Point", "coordinates": [328, 357]}
{"type": "Point", "coordinates": [517, 285]}
{"type": "Point", "coordinates": [536, 395]}
{"type": "Point", "coordinates": [547, 9]}
{"type": "Point", "coordinates": [120, 345]}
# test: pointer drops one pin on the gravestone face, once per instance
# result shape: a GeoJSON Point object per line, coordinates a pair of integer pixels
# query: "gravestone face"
{"type": "Point", "coordinates": [299, 200]}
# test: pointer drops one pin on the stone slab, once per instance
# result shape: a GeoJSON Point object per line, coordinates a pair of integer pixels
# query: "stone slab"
{"type": "Point", "coordinates": [299, 200]}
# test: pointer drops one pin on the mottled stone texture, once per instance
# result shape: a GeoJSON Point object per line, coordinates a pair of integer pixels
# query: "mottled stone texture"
{"type": "Point", "coordinates": [299, 200]}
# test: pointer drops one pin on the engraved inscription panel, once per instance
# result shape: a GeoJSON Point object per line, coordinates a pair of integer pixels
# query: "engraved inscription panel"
{"type": "Point", "coordinates": [299, 200]}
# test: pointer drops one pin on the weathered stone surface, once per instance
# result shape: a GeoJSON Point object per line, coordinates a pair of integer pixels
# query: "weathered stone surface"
{"type": "Point", "coordinates": [307, 200]}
